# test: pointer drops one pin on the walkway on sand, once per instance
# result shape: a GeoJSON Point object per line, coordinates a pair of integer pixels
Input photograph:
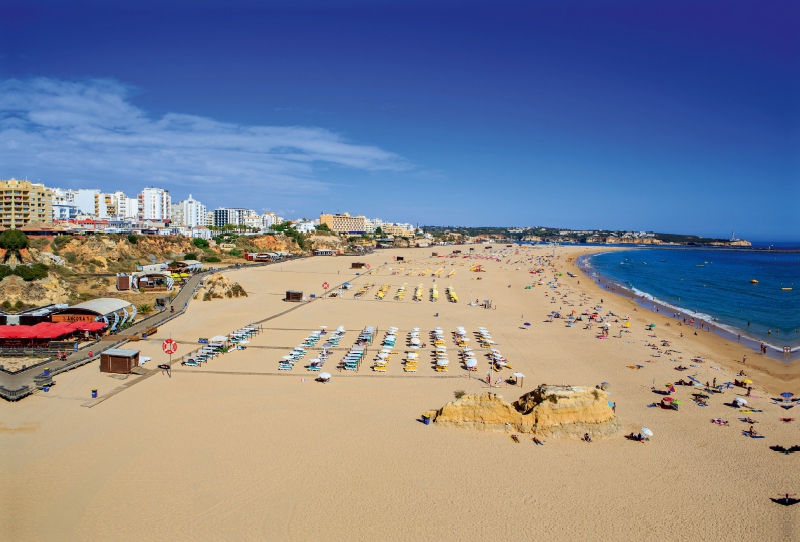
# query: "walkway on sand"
{"type": "Point", "coordinates": [20, 384]}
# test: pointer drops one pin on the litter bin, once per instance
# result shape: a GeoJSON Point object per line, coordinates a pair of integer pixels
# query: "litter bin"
{"type": "Point", "coordinates": [426, 419]}
{"type": "Point", "coordinates": [94, 394]}
{"type": "Point", "coordinates": [47, 372]}
{"type": "Point", "coordinates": [46, 388]}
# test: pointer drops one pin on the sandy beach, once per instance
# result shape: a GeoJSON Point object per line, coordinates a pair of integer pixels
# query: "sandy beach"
{"type": "Point", "coordinates": [238, 450]}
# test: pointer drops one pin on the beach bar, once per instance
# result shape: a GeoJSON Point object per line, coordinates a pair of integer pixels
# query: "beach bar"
{"type": "Point", "coordinates": [119, 360]}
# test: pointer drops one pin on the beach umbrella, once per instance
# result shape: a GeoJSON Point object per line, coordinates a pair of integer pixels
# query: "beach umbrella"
{"type": "Point", "coordinates": [740, 401]}
{"type": "Point", "coordinates": [667, 399]}
{"type": "Point", "coordinates": [627, 324]}
{"type": "Point", "coordinates": [244, 341]}
{"type": "Point", "coordinates": [442, 362]}
{"type": "Point", "coordinates": [786, 394]}
{"type": "Point", "coordinates": [646, 431]}
{"type": "Point", "coordinates": [652, 326]}
{"type": "Point", "coordinates": [471, 362]}
{"type": "Point", "coordinates": [747, 381]}
{"type": "Point", "coordinates": [324, 376]}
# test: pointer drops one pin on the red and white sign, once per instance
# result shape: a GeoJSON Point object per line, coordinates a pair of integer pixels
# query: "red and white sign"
{"type": "Point", "coordinates": [368, 266]}
{"type": "Point", "coordinates": [325, 286]}
{"type": "Point", "coordinates": [169, 346]}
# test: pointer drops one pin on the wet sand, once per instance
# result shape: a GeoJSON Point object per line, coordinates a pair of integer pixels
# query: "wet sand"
{"type": "Point", "coordinates": [237, 450]}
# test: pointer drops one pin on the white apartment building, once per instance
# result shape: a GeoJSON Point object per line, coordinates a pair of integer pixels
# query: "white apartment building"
{"type": "Point", "coordinates": [306, 226]}
{"type": "Point", "coordinates": [373, 224]}
{"type": "Point", "coordinates": [189, 212]}
{"type": "Point", "coordinates": [154, 204]}
{"type": "Point", "coordinates": [268, 220]}
{"type": "Point", "coordinates": [64, 207]}
{"type": "Point", "coordinates": [253, 220]}
{"type": "Point", "coordinates": [123, 206]}
{"type": "Point", "coordinates": [86, 200]}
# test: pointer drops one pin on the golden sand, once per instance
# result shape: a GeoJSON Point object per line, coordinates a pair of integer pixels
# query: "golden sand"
{"type": "Point", "coordinates": [237, 450]}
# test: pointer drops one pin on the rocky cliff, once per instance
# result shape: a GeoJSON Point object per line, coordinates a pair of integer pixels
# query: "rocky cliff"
{"type": "Point", "coordinates": [39, 292]}
{"type": "Point", "coordinates": [553, 411]}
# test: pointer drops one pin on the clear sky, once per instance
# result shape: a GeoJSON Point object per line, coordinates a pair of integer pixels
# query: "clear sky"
{"type": "Point", "coordinates": [669, 116]}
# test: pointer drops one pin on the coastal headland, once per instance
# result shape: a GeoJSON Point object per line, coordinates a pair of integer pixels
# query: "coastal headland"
{"type": "Point", "coordinates": [238, 449]}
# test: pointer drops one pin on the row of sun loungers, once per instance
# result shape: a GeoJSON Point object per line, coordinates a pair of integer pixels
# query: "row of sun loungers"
{"type": "Point", "coordinates": [451, 294]}
{"type": "Point", "coordinates": [401, 292]}
{"type": "Point", "coordinates": [382, 291]}
{"type": "Point", "coordinates": [363, 290]}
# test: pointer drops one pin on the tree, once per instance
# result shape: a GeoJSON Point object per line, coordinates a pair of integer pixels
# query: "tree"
{"type": "Point", "coordinates": [378, 231]}
{"type": "Point", "coordinates": [13, 240]}
{"type": "Point", "coordinates": [132, 239]}
{"type": "Point", "coordinates": [200, 243]}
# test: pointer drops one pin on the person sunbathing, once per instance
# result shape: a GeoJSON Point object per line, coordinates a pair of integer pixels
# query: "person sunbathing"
{"type": "Point", "coordinates": [586, 437]}
{"type": "Point", "coordinates": [752, 432]}
{"type": "Point", "coordinates": [537, 441]}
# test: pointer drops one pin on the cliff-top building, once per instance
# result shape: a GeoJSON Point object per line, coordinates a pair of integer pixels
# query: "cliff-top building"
{"type": "Point", "coordinates": [23, 203]}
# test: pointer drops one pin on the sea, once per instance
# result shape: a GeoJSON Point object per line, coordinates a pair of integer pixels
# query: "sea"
{"type": "Point", "coordinates": [715, 285]}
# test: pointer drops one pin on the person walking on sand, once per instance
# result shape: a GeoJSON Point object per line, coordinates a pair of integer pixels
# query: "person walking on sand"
{"type": "Point", "coordinates": [744, 358]}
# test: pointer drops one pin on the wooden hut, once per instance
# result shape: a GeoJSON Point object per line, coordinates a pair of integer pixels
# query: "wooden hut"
{"type": "Point", "coordinates": [294, 296]}
{"type": "Point", "coordinates": [119, 360]}
{"type": "Point", "coordinates": [357, 265]}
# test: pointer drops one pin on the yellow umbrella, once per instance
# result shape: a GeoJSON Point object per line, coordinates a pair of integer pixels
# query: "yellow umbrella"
{"type": "Point", "coordinates": [627, 324]}
{"type": "Point", "coordinates": [747, 381]}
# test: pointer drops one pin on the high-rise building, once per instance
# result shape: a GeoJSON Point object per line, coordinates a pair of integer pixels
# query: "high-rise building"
{"type": "Point", "coordinates": [87, 200]}
{"type": "Point", "coordinates": [24, 203]}
{"type": "Point", "coordinates": [154, 204]}
{"type": "Point", "coordinates": [268, 220]}
{"type": "Point", "coordinates": [226, 215]}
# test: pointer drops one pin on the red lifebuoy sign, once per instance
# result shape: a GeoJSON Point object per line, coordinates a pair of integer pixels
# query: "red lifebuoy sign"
{"type": "Point", "coordinates": [169, 346]}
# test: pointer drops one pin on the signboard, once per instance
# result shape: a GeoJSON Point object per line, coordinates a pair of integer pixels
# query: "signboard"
{"type": "Point", "coordinates": [169, 346]}
{"type": "Point", "coordinates": [73, 318]}
{"type": "Point", "coordinates": [325, 285]}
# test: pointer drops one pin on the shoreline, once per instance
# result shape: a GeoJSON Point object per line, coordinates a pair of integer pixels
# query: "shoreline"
{"type": "Point", "coordinates": [773, 374]}
{"type": "Point", "coordinates": [725, 331]}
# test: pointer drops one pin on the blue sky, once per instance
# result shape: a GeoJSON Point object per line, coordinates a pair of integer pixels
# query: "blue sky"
{"type": "Point", "coordinates": [668, 116]}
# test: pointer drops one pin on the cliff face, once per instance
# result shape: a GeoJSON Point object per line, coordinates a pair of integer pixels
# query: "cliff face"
{"type": "Point", "coordinates": [38, 292]}
{"type": "Point", "coordinates": [554, 411]}
{"type": "Point", "coordinates": [274, 243]}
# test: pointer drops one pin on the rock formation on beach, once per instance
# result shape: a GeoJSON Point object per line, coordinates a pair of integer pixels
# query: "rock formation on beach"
{"type": "Point", "coordinates": [218, 286]}
{"type": "Point", "coordinates": [552, 411]}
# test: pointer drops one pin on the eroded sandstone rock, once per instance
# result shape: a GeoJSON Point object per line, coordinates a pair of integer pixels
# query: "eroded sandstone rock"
{"type": "Point", "coordinates": [553, 411]}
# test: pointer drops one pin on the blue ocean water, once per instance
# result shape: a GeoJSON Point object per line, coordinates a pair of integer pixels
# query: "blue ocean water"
{"type": "Point", "coordinates": [716, 284]}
